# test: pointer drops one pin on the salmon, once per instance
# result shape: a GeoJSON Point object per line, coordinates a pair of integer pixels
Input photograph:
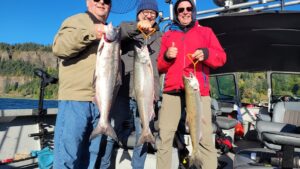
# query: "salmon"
{"type": "Point", "coordinates": [107, 80]}
{"type": "Point", "coordinates": [144, 91]}
{"type": "Point", "coordinates": [194, 112]}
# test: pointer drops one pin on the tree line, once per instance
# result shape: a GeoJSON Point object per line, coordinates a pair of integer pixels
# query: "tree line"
{"type": "Point", "coordinates": [24, 47]}
{"type": "Point", "coordinates": [252, 86]}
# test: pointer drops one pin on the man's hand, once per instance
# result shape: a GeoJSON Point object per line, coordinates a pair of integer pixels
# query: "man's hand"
{"type": "Point", "coordinates": [145, 26]}
{"type": "Point", "coordinates": [99, 30]}
{"type": "Point", "coordinates": [172, 51]}
{"type": "Point", "coordinates": [198, 55]}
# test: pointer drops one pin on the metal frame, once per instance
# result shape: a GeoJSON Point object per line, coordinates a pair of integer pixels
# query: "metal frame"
{"type": "Point", "coordinates": [256, 5]}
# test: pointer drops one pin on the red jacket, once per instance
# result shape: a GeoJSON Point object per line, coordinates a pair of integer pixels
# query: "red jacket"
{"type": "Point", "coordinates": [187, 42]}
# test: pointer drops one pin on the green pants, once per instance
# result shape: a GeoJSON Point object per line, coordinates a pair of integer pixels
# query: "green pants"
{"type": "Point", "coordinates": [168, 119]}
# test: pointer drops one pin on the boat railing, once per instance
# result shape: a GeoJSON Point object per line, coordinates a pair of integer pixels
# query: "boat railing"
{"type": "Point", "coordinates": [25, 112]}
{"type": "Point", "coordinates": [256, 5]}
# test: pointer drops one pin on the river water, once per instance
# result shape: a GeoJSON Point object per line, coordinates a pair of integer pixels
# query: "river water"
{"type": "Point", "coordinates": [9, 103]}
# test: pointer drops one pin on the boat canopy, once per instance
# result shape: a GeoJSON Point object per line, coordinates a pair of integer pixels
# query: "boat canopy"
{"type": "Point", "coordinates": [258, 41]}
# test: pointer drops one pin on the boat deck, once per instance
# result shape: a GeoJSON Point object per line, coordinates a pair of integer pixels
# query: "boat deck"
{"type": "Point", "coordinates": [14, 142]}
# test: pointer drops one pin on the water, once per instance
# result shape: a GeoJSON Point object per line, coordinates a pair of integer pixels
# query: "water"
{"type": "Point", "coordinates": [8, 103]}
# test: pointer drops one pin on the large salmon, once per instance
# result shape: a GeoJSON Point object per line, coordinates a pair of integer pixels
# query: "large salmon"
{"type": "Point", "coordinates": [194, 112]}
{"type": "Point", "coordinates": [144, 91]}
{"type": "Point", "coordinates": [107, 79]}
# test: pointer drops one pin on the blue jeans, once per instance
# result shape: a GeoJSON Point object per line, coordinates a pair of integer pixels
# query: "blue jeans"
{"type": "Point", "coordinates": [74, 123]}
{"type": "Point", "coordinates": [139, 152]}
{"type": "Point", "coordinates": [125, 109]}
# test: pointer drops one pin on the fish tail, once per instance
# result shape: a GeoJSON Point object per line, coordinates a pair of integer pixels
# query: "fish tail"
{"type": "Point", "coordinates": [195, 159]}
{"type": "Point", "coordinates": [108, 131]}
{"type": "Point", "coordinates": [146, 136]}
{"type": "Point", "coordinates": [111, 133]}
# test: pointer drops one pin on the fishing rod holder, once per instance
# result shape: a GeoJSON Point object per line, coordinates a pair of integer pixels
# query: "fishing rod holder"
{"type": "Point", "coordinates": [45, 80]}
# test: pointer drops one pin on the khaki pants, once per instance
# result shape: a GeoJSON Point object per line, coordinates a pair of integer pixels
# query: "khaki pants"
{"type": "Point", "coordinates": [168, 119]}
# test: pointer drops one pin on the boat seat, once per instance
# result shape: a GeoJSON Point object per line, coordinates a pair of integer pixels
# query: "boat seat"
{"type": "Point", "coordinates": [287, 112]}
{"type": "Point", "coordinates": [286, 118]}
{"type": "Point", "coordinates": [281, 134]}
{"type": "Point", "coordinates": [222, 121]}
{"type": "Point", "coordinates": [264, 115]}
{"type": "Point", "coordinates": [283, 112]}
{"type": "Point", "coordinates": [225, 122]}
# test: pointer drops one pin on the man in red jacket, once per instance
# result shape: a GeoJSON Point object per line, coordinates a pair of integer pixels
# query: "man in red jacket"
{"type": "Point", "coordinates": [186, 38]}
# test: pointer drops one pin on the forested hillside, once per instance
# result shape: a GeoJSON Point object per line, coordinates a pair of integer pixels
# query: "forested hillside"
{"type": "Point", "coordinates": [253, 87]}
{"type": "Point", "coordinates": [17, 63]}
{"type": "Point", "coordinates": [17, 79]}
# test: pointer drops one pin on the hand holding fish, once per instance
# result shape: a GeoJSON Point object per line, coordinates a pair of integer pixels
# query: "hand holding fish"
{"type": "Point", "coordinates": [172, 51]}
{"type": "Point", "coordinates": [145, 26]}
{"type": "Point", "coordinates": [99, 30]}
{"type": "Point", "coordinates": [198, 55]}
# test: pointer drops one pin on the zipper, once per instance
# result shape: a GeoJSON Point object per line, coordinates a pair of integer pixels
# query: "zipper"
{"type": "Point", "coordinates": [204, 76]}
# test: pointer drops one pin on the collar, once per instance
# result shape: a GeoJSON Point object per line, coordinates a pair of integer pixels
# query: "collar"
{"type": "Point", "coordinates": [178, 27]}
{"type": "Point", "coordinates": [94, 19]}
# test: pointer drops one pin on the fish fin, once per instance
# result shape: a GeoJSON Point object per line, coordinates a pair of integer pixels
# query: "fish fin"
{"type": "Point", "coordinates": [94, 80]}
{"type": "Point", "coordinates": [96, 132]}
{"type": "Point", "coordinates": [146, 136]}
{"type": "Point", "coordinates": [101, 46]}
{"type": "Point", "coordinates": [95, 100]}
{"type": "Point", "coordinates": [125, 156]}
{"type": "Point", "coordinates": [200, 137]}
{"type": "Point", "coordinates": [152, 116]}
{"type": "Point", "coordinates": [195, 159]}
{"type": "Point", "coordinates": [109, 131]}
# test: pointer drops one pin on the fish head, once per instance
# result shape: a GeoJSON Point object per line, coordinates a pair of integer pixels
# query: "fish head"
{"type": "Point", "coordinates": [191, 81]}
{"type": "Point", "coordinates": [111, 33]}
{"type": "Point", "coordinates": [142, 54]}
{"type": "Point", "coordinates": [110, 40]}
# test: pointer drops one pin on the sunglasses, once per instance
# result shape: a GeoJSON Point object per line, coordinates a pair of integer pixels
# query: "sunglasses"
{"type": "Point", "coordinates": [107, 2]}
{"type": "Point", "coordinates": [189, 9]}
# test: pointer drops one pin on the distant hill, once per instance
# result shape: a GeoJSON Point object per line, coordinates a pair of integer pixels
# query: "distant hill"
{"type": "Point", "coordinates": [17, 63]}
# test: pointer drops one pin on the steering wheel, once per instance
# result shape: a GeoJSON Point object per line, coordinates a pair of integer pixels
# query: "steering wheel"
{"type": "Point", "coordinates": [286, 98]}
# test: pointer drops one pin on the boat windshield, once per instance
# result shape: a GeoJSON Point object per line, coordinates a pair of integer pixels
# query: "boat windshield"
{"type": "Point", "coordinates": [252, 87]}
{"type": "Point", "coordinates": [285, 87]}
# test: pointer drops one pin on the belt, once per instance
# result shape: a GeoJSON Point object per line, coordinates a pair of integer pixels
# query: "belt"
{"type": "Point", "coordinates": [175, 92]}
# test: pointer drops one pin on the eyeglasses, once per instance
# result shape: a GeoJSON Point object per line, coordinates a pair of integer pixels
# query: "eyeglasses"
{"type": "Point", "coordinates": [152, 13]}
{"type": "Point", "coordinates": [189, 9]}
{"type": "Point", "coordinates": [107, 2]}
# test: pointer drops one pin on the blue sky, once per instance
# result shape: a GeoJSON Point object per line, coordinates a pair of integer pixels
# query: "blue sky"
{"type": "Point", "coordinates": [38, 21]}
